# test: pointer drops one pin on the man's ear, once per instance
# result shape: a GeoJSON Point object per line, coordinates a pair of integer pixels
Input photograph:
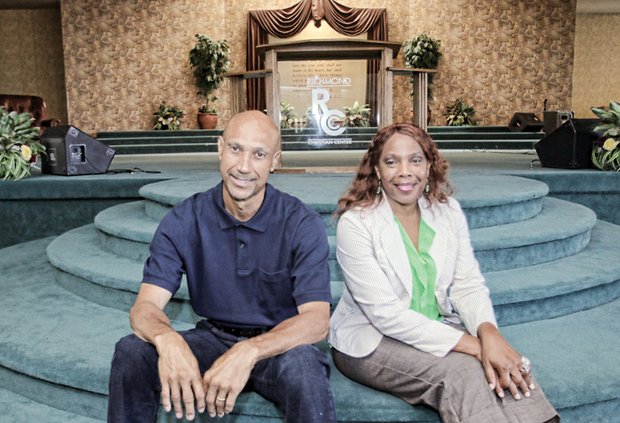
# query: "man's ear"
{"type": "Point", "coordinates": [275, 159]}
{"type": "Point", "coordinates": [220, 147]}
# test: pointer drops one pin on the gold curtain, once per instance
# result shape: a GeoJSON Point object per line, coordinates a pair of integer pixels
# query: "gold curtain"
{"type": "Point", "coordinates": [284, 23]}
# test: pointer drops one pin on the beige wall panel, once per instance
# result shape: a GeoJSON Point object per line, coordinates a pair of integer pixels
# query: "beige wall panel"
{"type": "Point", "coordinates": [31, 59]}
{"type": "Point", "coordinates": [123, 58]}
{"type": "Point", "coordinates": [500, 56]}
{"type": "Point", "coordinates": [596, 79]}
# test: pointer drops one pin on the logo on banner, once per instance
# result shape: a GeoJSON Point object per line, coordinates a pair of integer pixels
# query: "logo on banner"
{"type": "Point", "coordinates": [329, 120]}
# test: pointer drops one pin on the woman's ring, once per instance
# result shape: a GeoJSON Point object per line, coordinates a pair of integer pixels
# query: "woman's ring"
{"type": "Point", "coordinates": [221, 399]}
{"type": "Point", "coordinates": [526, 365]}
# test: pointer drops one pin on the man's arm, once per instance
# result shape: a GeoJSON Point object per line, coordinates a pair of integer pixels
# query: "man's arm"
{"type": "Point", "coordinates": [229, 374]}
{"type": "Point", "coordinates": [178, 368]}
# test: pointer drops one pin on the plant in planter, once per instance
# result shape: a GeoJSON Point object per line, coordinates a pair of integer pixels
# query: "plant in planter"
{"type": "Point", "coordinates": [422, 52]}
{"type": "Point", "coordinates": [288, 118]}
{"type": "Point", "coordinates": [19, 144]}
{"type": "Point", "coordinates": [209, 61]}
{"type": "Point", "coordinates": [460, 113]}
{"type": "Point", "coordinates": [167, 117]}
{"type": "Point", "coordinates": [357, 115]}
{"type": "Point", "coordinates": [606, 151]}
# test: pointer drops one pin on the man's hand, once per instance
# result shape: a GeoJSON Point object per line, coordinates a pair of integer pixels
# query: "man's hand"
{"type": "Point", "coordinates": [225, 380]}
{"type": "Point", "coordinates": [230, 373]}
{"type": "Point", "coordinates": [178, 368]}
{"type": "Point", "coordinates": [502, 364]}
{"type": "Point", "coordinates": [179, 375]}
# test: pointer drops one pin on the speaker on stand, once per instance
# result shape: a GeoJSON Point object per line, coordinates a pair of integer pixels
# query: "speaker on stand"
{"type": "Point", "coordinates": [554, 119]}
{"type": "Point", "coordinates": [525, 122]}
{"type": "Point", "coordinates": [69, 151]}
{"type": "Point", "coordinates": [569, 146]}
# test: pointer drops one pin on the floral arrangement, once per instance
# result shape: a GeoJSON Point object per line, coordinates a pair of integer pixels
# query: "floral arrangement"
{"type": "Point", "coordinates": [357, 115]}
{"type": "Point", "coordinates": [19, 144]}
{"type": "Point", "coordinates": [460, 113]}
{"type": "Point", "coordinates": [288, 119]}
{"type": "Point", "coordinates": [167, 117]}
{"type": "Point", "coordinates": [606, 151]}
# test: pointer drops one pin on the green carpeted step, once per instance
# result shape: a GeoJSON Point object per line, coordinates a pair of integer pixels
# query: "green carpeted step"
{"type": "Point", "coordinates": [560, 230]}
{"type": "Point", "coordinates": [187, 141]}
{"type": "Point", "coordinates": [504, 199]}
{"type": "Point", "coordinates": [521, 294]}
{"type": "Point", "coordinates": [567, 285]}
{"type": "Point", "coordinates": [56, 347]}
{"type": "Point", "coordinates": [126, 230]}
{"type": "Point", "coordinates": [15, 408]}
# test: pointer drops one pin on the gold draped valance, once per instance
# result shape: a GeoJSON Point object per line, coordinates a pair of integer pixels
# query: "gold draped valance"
{"type": "Point", "coordinates": [285, 23]}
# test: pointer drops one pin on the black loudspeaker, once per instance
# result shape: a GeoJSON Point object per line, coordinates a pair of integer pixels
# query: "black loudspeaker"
{"type": "Point", "coordinates": [70, 151]}
{"type": "Point", "coordinates": [553, 120]}
{"type": "Point", "coordinates": [569, 146]}
{"type": "Point", "coordinates": [525, 122]}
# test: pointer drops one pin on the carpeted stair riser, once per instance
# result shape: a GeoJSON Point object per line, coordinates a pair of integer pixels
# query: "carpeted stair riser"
{"type": "Point", "coordinates": [499, 247]}
{"type": "Point", "coordinates": [87, 405]}
{"type": "Point", "coordinates": [508, 199]}
{"type": "Point", "coordinates": [16, 408]}
{"type": "Point", "coordinates": [188, 141]}
{"type": "Point", "coordinates": [554, 346]}
{"type": "Point", "coordinates": [512, 290]}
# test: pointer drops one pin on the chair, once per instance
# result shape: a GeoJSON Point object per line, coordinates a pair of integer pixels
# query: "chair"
{"type": "Point", "coordinates": [31, 104]}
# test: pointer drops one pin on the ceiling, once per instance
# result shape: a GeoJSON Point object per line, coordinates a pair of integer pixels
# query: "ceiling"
{"type": "Point", "coordinates": [583, 6]}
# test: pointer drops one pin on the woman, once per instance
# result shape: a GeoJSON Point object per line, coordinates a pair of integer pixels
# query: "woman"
{"type": "Point", "coordinates": [415, 318]}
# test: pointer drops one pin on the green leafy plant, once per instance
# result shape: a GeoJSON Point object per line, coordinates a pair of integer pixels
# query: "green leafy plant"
{"type": "Point", "coordinates": [288, 119]}
{"type": "Point", "coordinates": [205, 108]}
{"type": "Point", "coordinates": [357, 115]}
{"type": "Point", "coordinates": [422, 52]}
{"type": "Point", "coordinates": [19, 144]}
{"type": "Point", "coordinates": [606, 151]}
{"type": "Point", "coordinates": [167, 117]}
{"type": "Point", "coordinates": [209, 61]}
{"type": "Point", "coordinates": [460, 113]}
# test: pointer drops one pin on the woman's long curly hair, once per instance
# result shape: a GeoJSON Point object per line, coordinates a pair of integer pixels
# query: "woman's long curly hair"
{"type": "Point", "coordinates": [363, 190]}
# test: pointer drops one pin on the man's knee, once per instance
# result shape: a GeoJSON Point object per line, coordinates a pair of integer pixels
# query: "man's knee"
{"type": "Point", "coordinates": [133, 354]}
{"type": "Point", "coordinates": [303, 365]}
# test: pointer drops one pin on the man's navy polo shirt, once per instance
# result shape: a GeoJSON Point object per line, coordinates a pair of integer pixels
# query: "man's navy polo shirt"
{"type": "Point", "coordinates": [252, 273]}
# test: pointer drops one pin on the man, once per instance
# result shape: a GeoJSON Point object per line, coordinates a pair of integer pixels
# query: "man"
{"type": "Point", "coordinates": [255, 260]}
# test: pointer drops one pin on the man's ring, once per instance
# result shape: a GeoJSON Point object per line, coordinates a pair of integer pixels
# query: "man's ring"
{"type": "Point", "coordinates": [526, 365]}
{"type": "Point", "coordinates": [221, 399]}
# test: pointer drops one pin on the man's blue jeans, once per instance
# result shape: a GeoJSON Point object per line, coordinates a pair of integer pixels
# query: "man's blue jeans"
{"type": "Point", "coordinates": [296, 381]}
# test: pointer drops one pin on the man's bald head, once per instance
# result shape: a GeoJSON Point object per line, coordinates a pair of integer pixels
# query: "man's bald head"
{"type": "Point", "coordinates": [252, 122]}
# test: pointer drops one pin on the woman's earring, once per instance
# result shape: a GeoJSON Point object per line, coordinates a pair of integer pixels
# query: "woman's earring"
{"type": "Point", "coordinates": [379, 187]}
{"type": "Point", "coordinates": [427, 188]}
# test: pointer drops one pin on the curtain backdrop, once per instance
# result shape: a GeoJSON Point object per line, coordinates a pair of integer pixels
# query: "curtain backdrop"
{"type": "Point", "coordinates": [284, 23]}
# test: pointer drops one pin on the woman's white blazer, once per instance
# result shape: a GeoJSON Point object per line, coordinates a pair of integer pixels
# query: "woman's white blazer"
{"type": "Point", "coordinates": [378, 282]}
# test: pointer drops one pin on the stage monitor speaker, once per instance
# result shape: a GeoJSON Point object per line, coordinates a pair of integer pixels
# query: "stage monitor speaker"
{"type": "Point", "coordinates": [69, 151]}
{"type": "Point", "coordinates": [525, 122]}
{"type": "Point", "coordinates": [569, 146]}
{"type": "Point", "coordinates": [553, 120]}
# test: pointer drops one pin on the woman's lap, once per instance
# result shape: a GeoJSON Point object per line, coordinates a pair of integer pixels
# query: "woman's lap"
{"type": "Point", "coordinates": [454, 385]}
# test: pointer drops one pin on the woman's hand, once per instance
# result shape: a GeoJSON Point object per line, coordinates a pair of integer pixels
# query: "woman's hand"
{"type": "Point", "coordinates": [469, 345]}
{"type": "Point", "coordinates": [502, 364]}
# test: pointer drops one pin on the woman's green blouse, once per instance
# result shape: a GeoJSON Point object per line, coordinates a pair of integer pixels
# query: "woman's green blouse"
{"type": "Point", "coordinates": [423, 270]}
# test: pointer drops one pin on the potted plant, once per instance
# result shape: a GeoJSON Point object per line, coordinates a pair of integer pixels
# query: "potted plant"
{"type": "Point", "coordinates": [209, 61]}
{"type": "Point", "coordinates": [460, 113]}
{"type": "Point", "coordinates": [19, 144]}
{"type": "Point", "coordinates": [288, 119]}
{"type": "Point", "coordinates": [606, 151]}
{"type": "Point", "coordinates": [167, 117]}
{"type": "Point", "coordinates": [357, 115]}
{"type": "Point", "coordinates": [422, 52]}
